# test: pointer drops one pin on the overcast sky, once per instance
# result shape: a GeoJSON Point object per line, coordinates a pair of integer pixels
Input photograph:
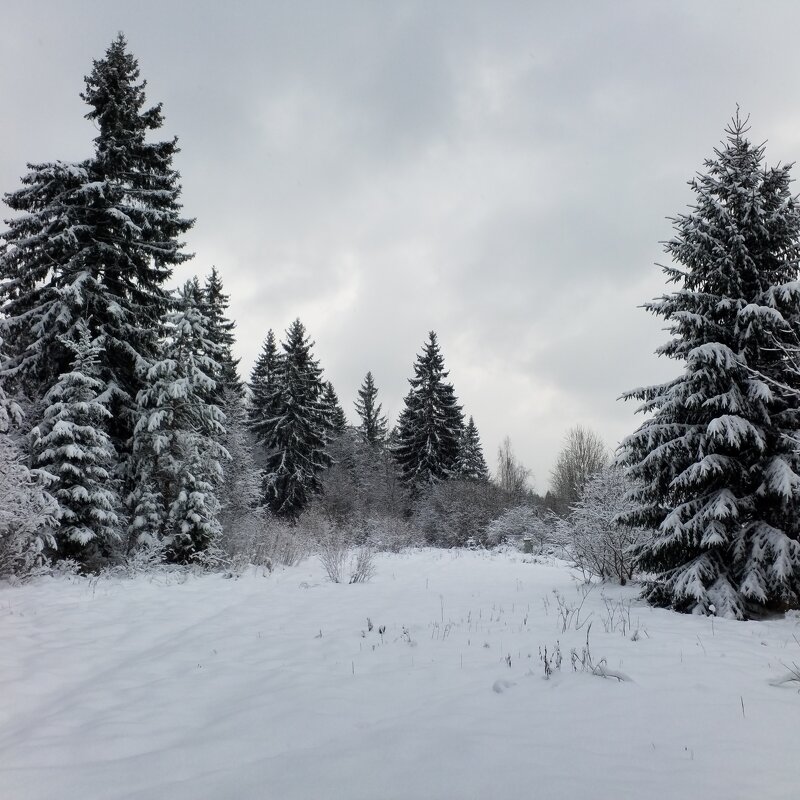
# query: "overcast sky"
{"type": "Point", "coordinates": [499, 172]}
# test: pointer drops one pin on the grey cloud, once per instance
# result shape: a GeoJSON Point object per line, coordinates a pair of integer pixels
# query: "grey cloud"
{"type": "Point", "coordinates": [500, 172]}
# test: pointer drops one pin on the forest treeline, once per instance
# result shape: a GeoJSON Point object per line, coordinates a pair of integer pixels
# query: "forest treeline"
{"type": "Point", "coordinates": [129, 436]}
{"type": "Point", "coordinates": [127, 422]}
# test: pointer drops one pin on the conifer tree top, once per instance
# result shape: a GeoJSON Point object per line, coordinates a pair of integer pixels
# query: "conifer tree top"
{"type": "Point", "coordinates": [117, 97]}
{"type": "Point", "coordinates": [373, 423]}
{"type": "Point", "coordinates": [431, 423]}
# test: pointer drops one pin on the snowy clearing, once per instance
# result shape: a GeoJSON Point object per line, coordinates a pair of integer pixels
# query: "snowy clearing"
{"type": "Point", "coordinates": [275, 687]}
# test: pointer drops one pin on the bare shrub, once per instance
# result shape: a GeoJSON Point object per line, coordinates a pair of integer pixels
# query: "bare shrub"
{"type": "Point", "coordinates": [362, 566]}
{"type": "Point", "coordinates": [333, 552]}
{"type": "Point", "coordinates": [342, 559]}
{"type": "Point", "coordinates": [256, 537]}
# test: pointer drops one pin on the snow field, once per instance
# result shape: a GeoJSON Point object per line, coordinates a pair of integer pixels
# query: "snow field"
{"type": "Point", "coordinates": [224, 688]}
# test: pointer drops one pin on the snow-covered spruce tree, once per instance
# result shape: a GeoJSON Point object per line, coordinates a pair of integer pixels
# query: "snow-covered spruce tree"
{"type": "Point", "coordinates": [134, 211]}
{"type": "Point", "coordinates": [718, 458]}
{"type": "Point", "coordinates": [262, 385]}
{"type": "Point", "coordinates": [337, 421]}
{"type": "Point", "coordinates": [471, 464]}
{"type": "Point", "coordinates": [176, 444]}
{"type": "Point", "coordinates": [95, 241]}
{"type": "Point", "coordinates": [296, 435]}
{"type": "Point", "coordinates": [373, 423]}
{"type": "Point", "coordinates": [72, 446]}
{"type": "Point", "coordinates": [430, 424]}
{"type": "Point", "coordinates": [221, 332]}
{"type": "Point", "coordinates": [44, 287]}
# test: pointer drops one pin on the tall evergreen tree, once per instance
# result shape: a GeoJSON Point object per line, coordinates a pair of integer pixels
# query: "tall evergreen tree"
{"type": "Point", "coordinates": [221, 332]}
{"type": "Point", "coordinates": [71, 445]}
{"type": "Point", "coordinates": [176, 444]}
{"type": "Point", "coordinates": [430, 424]}
{"type": "Point", "coordinates": [136, 217]}
{"type": "Point", "coordinates": [262, 385]}
{"type": "Point", "coordinates": [471, 464]}
{"type": "Point", "coordinates": [336, 420]}
{"type": "Point", "coordinates": [718, 459]}
{"type": "Point", "coordinates": [373, 424]}
{"type": "Point", "coordinates": [96, 241]}
{"type": "Point", "coordinates": [296, 435]}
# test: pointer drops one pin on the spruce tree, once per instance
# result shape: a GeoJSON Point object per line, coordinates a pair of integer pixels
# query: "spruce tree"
{"type": "Point", "coordinates": [96, 241]}
{"type": "Point", "coordinates": [471, 464]}
{"type": "Point", "coordinates": [44, 286]}
{"type": "Point", "coordinates": [336, 420]}
{"type": "Point", "coordinates": [72, 446]}
{"type": "Point", "coordinates": [430, 424]}
{"type": "Point", "coordinates": [296, 433]}
{"type": "Point", "coordinates": [177, 441]}
{"type": "Point", "coordinates": [262, 384]}
{"type": "Point", "coordinates": [718, 457]}
{"type": "Point", "coordinates": [135, 215]}
{"type": "Point", "coordinates": [221, 332]}
{"type": "Point", "coordinates": [373, 424]}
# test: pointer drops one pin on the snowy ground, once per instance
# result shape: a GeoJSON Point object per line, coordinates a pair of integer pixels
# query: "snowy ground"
{"type": "Point", "coordinates": [273, 687]}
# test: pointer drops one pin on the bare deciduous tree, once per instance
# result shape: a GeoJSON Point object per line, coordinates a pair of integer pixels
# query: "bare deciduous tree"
{"type": "Point", "coordinates": [584, 454]}
{"type": "Point", "coordinates": [512, 476]}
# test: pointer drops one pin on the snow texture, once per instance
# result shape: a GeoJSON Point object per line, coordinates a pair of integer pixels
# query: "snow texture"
{"type": "Point", "coordinates": [280, 687]}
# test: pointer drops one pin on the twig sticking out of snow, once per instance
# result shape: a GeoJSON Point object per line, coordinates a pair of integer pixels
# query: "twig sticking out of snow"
{"type": "Point", "coordinates": [602, 671]}
{"type": "Point", "coordinates": [792, 676]}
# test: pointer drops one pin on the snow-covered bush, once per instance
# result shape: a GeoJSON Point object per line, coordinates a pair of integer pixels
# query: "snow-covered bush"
{"type": "Point", "coordinates": [599, 544]}
{"type": "Point", "coordinates": [520, 523]}
{"type": "Point", "coordinates": [277, 541]}
{"type": "Point", "coordinates": [27, 515]}
{"type": "Point", "coordinates": [451, 513]}
{"type": "Point", "coordinates": [391, 533]}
